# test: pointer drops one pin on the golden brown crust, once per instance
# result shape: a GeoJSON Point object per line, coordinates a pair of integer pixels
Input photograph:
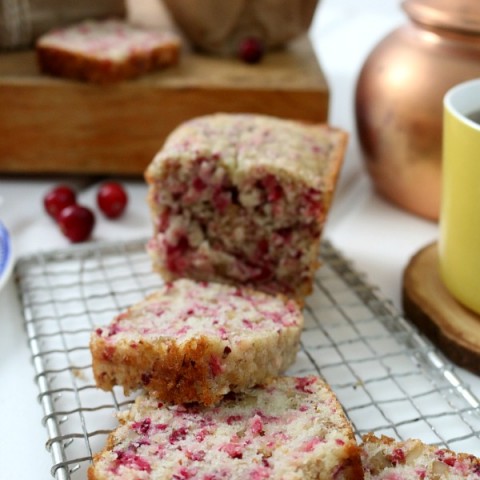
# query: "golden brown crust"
{"type": "Point", "coordinates": [177, 374]}
{"type": "Point", "coordinates": [372, 438]}
{"type": "Point", "coordinates": [352, 468]}
{"type": "Point", "coordinates": [184, 375]}
{"type": "Point", "coordinates": [201, 367]}
{"type": "Point", "coordinates": [317, 170]}
{"type": "Point", "coordinates": [110, 443]}
{"type": "Point", "coordinates": [335, 166]}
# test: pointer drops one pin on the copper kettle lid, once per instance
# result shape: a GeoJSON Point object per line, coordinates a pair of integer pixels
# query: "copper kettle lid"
{"type": "Point", "coordinates": [461, 15]}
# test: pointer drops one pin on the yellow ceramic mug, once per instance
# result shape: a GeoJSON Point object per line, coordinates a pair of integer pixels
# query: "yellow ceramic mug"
{"type": "Point", "coordinates": [459, 244]}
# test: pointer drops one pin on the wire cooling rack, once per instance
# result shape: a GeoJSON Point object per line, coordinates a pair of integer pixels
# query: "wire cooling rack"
{"type": "Point", "coordinates": [388, 377]}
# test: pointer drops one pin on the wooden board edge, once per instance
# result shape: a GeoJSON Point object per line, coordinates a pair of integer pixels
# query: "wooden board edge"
{"type": "Point", "coordinates": [424, 311]}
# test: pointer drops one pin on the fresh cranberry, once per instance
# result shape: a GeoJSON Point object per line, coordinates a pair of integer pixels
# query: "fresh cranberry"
{"type": "Point", "coordinates": [215, 365]}
{"type": "Point", "coordinates": [76, 222]}
{"type": "Point", "coordinates": [197, 456]}
{"type": "Point", "coordinates": [112, 199]}
{"type": "Point", "coordinates": [175, 259]}
{"type": "Point", "coordinates": [57, 199]}
{"type": "Point", "coordinates": [184, 474]}
{"type": "Point", "coordinates": [177, 434]}
{"type": "Point", "coordinates": [198, 184]}
{"type": "Point", "coordinates": [303, 384]}
{"type": "Point", "coordinates": [273, 188]}
{"type": "Point", "coordinates": [262, 246]}
{"type": "Point", "coordinates": [164, 220]}
{"type": "Point", "coordinates": [233, 418]}
{"type": "Point", "coordinates": [450, 461]}
{"type": "Point", "coordinates": [256, 426]}
{"type": "Point", "coordinates": [131, 460]}
{"type": "Point", "coordinates": [310, 445]}
{"type": "Point", "coordinates": [221, 200]}
{"type": "Point", "coordinates": [251, 50]}
{"type": "Point", "coordinates": [180, 248]}
{"type": "Point", "coordinates": [398, 456]}
{"type": "Point", "coordinates": [146, 378]}
{"type": "Point", "coordinates": [200, 436]}
{"type": "Point", "coordinates": [233, 450]}
{"type": "Point", "coordinates": [114, 328]}
{"type": "Point", "coordinates": [312, 204]}
{"type": "Point", "coordinates": [263, 274]}
{"type": "Point", "coordinates": [142, 427]}
{"type": "Point", "coordinates": [108, 353]}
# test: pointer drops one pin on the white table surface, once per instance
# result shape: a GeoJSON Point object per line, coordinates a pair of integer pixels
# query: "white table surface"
{"type": "Point", "coordinates": [377, 236]}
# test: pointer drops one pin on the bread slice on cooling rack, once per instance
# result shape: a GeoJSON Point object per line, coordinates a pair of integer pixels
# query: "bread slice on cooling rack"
{"type": "Point", "coordinates": [386, 459]}
{"type": "Point", "coordinates": [243, 198]}
{"type": "Point", "coordinates": [292, 428]}
{"type": "Point", "coordinates": [196, 341]}
{"type": "Point", "coordinates": [105, 51]}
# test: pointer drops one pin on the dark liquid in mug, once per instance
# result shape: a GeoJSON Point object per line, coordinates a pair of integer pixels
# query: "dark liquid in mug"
{"type": "Point", "coordinates": [474, 116]}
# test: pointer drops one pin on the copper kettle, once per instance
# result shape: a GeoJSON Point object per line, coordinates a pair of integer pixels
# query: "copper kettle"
{"type": "Point", "coordinates": [399, 93]}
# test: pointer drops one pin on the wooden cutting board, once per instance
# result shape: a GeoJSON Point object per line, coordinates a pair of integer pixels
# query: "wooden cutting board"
{"type": "Point", "coordinates": [55, 125]}
{"type": "Point", "coordinates": [427, 302]}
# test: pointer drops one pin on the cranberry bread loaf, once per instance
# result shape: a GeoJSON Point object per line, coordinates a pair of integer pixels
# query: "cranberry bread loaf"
{"type": "Point", "coordinates": [290, 429]}
{"type": "Point", "coordinates": [105, 51]}
{"type": "Point", "coordinates": [195, 342]}
{"type": "Point", "coordinates": [243, 198]}
{"type": "Point", "coordinates": [386, 459]}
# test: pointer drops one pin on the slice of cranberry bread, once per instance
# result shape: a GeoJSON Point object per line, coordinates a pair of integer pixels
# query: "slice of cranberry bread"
{"type": "Point", "coordinates": [290, 429]}
{"type": "Point", "coordinates": [105, 51]}
{"type": "Point", "coordinates": [194, 342]}
{"type": "Point", "coordinates": [243, 198]}
{"type": "Point", "coordinates": [386, 459]}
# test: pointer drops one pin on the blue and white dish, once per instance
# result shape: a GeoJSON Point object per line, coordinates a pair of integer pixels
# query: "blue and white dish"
{"type": "Point", "coordinates": [6, 255]}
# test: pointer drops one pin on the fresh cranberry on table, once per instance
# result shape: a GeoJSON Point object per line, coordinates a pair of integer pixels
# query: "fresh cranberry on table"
{"type": "Point", "coordinates": [112, 199]}
{"type": "Point", "coordinates": [76, 222]}
{"type": "Point", "coordinates": [57, 199]}
{"type": "Point", "coordinates": [251, 50]}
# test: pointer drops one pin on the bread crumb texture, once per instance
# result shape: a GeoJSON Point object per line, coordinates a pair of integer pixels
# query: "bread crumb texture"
{"type": "Point", "coordinates": [196, 341]}
{"type": "Point", "coordinates": [292, 428]}
{"type": "Point", "coordinates": [243, 199]}
{"type": "Point", "coordinates": [384, 458]}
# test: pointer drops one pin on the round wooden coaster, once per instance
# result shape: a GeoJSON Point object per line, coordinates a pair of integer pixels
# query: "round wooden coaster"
{"type": "Point", "coordinates": [428, 304]}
